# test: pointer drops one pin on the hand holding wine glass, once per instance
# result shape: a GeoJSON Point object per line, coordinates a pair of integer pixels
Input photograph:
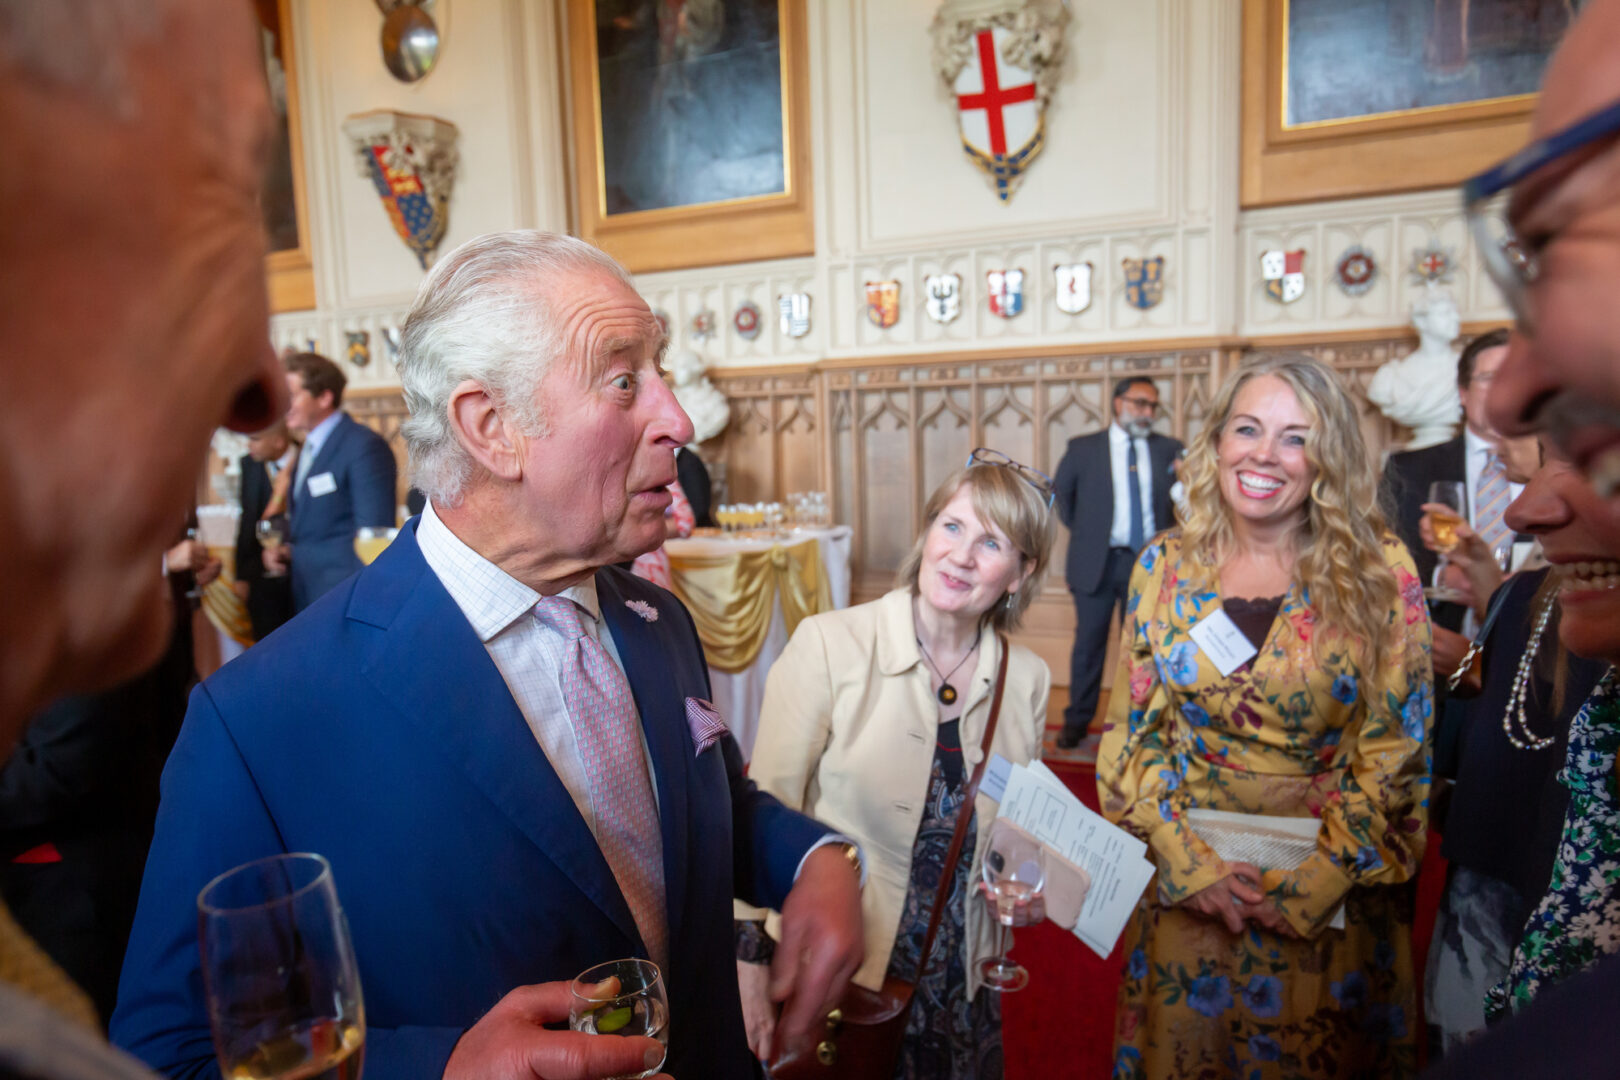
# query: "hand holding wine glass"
{"type": "Point", "coordinates": [1446, 509]}
{"type": "Point", "coordinates": [279, 972]}
{"type": "Point", "coordinates": [1014, 868]}
{"type": "Point", "coordinates": [271, 531]}
{"type": "Point", "coordinates": [622, 997]}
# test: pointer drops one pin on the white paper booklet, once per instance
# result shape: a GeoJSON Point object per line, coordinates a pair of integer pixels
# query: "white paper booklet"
{"type": "Point", "coordinates": [1037, 800]}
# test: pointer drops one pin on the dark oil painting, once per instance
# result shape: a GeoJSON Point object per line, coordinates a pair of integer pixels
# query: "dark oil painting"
{"type": "Point", "coordinates": [1348, 59]}
{"type": "Point", "coordinates": [691, 96]}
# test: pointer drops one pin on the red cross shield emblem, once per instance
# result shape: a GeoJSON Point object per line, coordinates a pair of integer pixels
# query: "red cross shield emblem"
{"type": "Point", "coordinates": [998, 112]}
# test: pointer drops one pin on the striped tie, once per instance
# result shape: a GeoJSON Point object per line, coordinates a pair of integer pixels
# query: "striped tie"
{"type": "Point", "coordinates": [1490, 501]}
{"type": "Point", "coordinates": [608, 733]}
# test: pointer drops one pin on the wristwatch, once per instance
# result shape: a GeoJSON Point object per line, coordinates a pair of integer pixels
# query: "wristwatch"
{"type": "Point", "coordinates": [853, 854]}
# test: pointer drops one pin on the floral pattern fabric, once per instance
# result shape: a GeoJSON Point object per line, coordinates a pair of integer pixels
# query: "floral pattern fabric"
{"type": "Point", "coordinates": [948, 1036]}
{"type": "Point", "coordinates": [1578, 920]}
{"type": "Point", "coordinates": [1295, 731]}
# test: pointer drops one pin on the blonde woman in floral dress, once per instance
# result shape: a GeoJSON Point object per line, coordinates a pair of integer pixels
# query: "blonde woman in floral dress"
{"type": "Point", "coordinates": [1233, 969]}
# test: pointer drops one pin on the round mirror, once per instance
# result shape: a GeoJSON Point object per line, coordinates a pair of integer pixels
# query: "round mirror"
{"type": "Point", "coordinates": [410, 42]}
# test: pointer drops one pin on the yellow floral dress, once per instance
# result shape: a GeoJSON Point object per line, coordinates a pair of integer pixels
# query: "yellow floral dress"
{"type": "Point", "coordinates": [1290, 733]}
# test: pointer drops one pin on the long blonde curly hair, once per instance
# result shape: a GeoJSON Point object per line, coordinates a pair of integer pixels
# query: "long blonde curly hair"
{"type": "Point", "coordinates": [1339, 559]}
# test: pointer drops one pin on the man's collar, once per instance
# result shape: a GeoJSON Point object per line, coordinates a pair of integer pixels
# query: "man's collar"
{"type": "Point", "coordinates": [488, 596]}
{"type": "Point", "coordinates": [317, 434]}
{"type": "Point", "coordinates": [1473, 443]}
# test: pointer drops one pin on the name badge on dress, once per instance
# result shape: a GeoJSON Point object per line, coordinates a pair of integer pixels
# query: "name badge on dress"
{"type": "Point", "coordinates": [1220, 639]}
{"type": "Point", "coordinates": [323, 484]}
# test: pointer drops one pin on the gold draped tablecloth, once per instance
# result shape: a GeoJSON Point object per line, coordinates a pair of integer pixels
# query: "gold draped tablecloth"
{"type": "Point", "coordinates": [732, 594]}
{"type": "Point", "coordinates": [221, 604]}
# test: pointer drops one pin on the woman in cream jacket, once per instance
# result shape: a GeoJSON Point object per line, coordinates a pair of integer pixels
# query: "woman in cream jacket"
{"type": "Point", "coordinates": [873, 722]}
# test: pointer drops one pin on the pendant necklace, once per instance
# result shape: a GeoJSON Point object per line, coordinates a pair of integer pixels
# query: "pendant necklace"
{"type": "Point", "coordinates": [946, 692]}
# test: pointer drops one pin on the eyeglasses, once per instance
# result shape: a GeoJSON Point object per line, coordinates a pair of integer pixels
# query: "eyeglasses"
{"type": "Point", "coordinates": [1143, 403]}
{"type": "Point", "coordinates": [1509, 261]}
{"type": "Point", "coordinates": [1033, 477]}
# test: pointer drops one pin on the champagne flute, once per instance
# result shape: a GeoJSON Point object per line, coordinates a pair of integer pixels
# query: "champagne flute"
{"type": "Point", "coordinates": [622, 997]}
{"type": "Point", "coordinates": [1014, 868]}
{"type": "Point", "coordinates": [279, 973]}
{"type": "Point", "coordinates": [1449, 494]}
{"type": "Point", "coordinates": [271, 531]}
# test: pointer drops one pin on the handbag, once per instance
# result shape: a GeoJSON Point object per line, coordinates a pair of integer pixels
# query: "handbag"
{"type": "Point", "coordinates": [861, 1040]}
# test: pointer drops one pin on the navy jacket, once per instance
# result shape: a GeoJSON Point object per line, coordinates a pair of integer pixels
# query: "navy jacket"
{"type": "Point", "coordinates": [321, 527]}
{"type": "Point", "coordinates": [375, 730]}
{"type": "Point", "coordinates": [1085, 501]}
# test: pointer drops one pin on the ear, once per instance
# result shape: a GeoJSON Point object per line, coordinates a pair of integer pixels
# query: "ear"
{"type": "Point", "coordinates": [1018, 583]}
{"type": "Point", "coordinates": [487, 433]}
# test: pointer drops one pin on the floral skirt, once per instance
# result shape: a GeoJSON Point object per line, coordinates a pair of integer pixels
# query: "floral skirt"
{"type": "Point", "coordinates": [1197, 1002]}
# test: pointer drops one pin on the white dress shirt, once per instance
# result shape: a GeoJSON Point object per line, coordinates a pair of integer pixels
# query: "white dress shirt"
{"type": "Point", "coordinates": [527, 653]}
{"type": "Point", "coordinates": [1119, 454]}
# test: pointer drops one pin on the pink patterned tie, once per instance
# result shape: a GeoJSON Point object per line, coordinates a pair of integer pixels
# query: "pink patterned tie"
{"type": "Point", "coordinates": [609, 739]}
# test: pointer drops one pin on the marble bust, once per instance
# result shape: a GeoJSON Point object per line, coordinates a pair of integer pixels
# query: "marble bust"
{"type": "Point", "coordinates": [1419, 390]}
{"type": "Point", "coordinates": [708, 408]}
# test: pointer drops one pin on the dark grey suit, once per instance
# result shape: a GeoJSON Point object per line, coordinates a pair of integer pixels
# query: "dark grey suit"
{"type": "Point", "coordinates": [1098, 574]}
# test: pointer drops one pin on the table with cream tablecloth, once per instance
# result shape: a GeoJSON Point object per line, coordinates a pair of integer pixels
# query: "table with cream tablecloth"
{"type": "Point", "coordinates": [747, 596]}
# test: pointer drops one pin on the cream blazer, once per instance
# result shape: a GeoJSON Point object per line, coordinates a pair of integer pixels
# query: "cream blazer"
{"type": "Point", "coordinates": [847, 735]}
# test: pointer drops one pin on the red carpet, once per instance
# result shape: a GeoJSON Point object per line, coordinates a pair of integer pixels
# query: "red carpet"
{"type": "Point", "coordinates": [1062, 1025]}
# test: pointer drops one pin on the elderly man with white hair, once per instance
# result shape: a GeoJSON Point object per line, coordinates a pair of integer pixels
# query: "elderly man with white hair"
{"type": "Point", "coordinates": [500, 740]}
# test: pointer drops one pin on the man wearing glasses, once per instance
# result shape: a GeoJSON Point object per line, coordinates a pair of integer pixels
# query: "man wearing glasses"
{"type": "Point", "coordinates": [1547, 223]}
{"type": "Point", "coordinates": [1130, 470]}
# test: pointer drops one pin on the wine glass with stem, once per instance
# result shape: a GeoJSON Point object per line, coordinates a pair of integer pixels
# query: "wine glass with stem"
{"type": "Point", "coordinates": [1014, 868]}
{"type": "Point", "coordinates": [271, 531]}
{"type": "Point", "coordinates": [279, 972]}
{"type": "Point", "coordinates": [1448, 494]}
{"type": "Point", "coordinates": [621, 997]}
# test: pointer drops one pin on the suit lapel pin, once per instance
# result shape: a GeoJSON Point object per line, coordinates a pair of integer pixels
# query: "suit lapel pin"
{"type": "Point", "coordinates": [642, 608]}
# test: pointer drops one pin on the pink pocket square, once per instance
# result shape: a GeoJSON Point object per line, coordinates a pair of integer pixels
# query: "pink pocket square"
{"type": "Point", "coordinates": [707, 724]}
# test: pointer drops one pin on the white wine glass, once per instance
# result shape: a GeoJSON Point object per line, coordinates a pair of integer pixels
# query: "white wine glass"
{"type": "Point", "coordinates": [1014, 868]}
{"type": "Point", "coordinates": [622, 997]}
{"type": "Point", "coordinates": [1450, 495]}
{"type": "Point", "coordinates": [279, 973]}
{"type": "Point", "coordinates": [271, 531]}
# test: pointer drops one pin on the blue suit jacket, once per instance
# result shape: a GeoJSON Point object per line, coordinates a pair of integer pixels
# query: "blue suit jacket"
{"type": "Point", "coordinates": [375, 729]}
{"type": "Point", "coordinates": [321, 527]}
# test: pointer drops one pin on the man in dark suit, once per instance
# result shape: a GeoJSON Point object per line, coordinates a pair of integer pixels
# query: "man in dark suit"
{"type": "Point", "coordinates": [268, 599]}
{"type": "Point", "coordinates": [500, 740]}
{"type": "Point", "coordinates": [695, 483]}
{"type": "Point", "coordinates": [1470, 459]}
{"type": "Point", "coordinates": [1098, 471]}
{"type": "Point", "coordinates": [344, 481]}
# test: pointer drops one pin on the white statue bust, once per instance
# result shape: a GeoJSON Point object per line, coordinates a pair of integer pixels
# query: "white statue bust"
{"type": "Point", "coordinates": [1419, 390]}
{"type": "Point", "coordinates": [708, 408]}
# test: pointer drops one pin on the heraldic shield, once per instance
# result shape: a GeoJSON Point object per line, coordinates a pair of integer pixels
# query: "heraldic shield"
{"type": "Point", "coordinates": [1144, 282]}
{"type": "Point", "coordinates": [883, 303]}
{"type": "Point", "coordinates": [1073, 287]}
{"type": "Point", "coordinates": [411, 162]}
{"type": "Point", "coordinates": [1001, 62]}
{"type": "Point", "coordinates": [1284, 274]}
{"type": "Point", "coordinates": [944, 296]}
{"type": "Point", "coordinates": [1006, 292]}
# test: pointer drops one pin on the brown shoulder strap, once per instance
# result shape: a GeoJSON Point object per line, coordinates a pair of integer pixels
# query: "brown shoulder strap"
{"type": "Point", "coordinates": [965, 812]}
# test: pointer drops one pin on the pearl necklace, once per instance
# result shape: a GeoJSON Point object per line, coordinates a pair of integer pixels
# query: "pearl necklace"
{"type": "Point", "coordinates": [1521, 689]}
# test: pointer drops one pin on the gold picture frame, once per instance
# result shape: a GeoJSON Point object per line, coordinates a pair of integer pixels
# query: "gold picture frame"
{"type": "Point", "coordinates": [769, 226]}
{"type": "Point", "coordinates": [290, 271]}
{"type": "Point", "coordinates": [1376, 154]}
